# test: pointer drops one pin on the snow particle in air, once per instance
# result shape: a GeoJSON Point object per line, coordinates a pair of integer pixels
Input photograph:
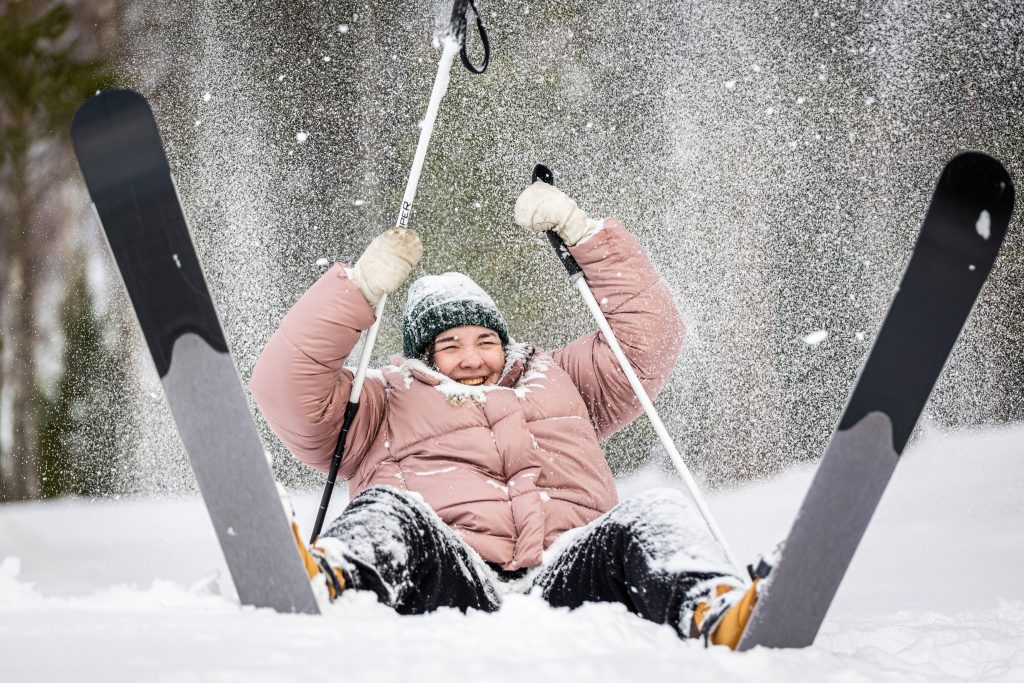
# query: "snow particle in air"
{"type": "Point", "coordinates": [301, 136]}
{"type": "Point", "coordinates": [207, 96]}
{"type": "Point", "coordinates": [730, 85]}
{"type": "Point", "coordinates": [342, 28]}
{"type": "Point", "coordinates": [327, 59]}
{"type": "Point", "coordinates": [972, 267]}
{"type": "Point", "coordinates": [984, 225]}
{"type": "Point", "coordinates": [815, 338]}
{"type": "Point", "coordinates": [322, 262]}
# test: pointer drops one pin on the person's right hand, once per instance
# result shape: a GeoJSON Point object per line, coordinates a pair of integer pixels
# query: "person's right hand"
{"type": "Point", "coordinates": [386, 263]}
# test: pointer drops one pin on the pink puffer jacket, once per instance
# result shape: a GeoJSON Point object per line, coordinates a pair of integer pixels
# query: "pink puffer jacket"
{"type": "Point", "coordinates": [509, 467]}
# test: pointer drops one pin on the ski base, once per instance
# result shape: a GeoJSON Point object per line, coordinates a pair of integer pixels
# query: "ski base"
{"type": "Point", "coordinates": [955, 251]}
{"type": "Point", "coordinates": [122, 159]}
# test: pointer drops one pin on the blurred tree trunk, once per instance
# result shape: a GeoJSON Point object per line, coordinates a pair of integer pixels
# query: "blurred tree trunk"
{"type": "Point", "coordinates": [6, 219]}
{"type": "Point", "coordinates": [44, 76]}
{"type": "Point", "coordinates": [21, 287]}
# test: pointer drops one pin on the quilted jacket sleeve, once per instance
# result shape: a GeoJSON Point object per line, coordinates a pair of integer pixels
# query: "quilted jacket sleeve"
{"type": "Point", "coordinates": [643, 317]}
{"type": "Point", "coordinates": [301, 385]}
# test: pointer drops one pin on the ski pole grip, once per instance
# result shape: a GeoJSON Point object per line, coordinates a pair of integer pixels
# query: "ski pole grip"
{"type": "Point", "coordinates": [563, 254]}
{"type": "Point", "coordinates": [542, 172]}
{"type": "Point", "coordinates": [350, 413]}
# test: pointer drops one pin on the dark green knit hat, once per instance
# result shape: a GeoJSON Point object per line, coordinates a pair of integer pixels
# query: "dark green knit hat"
{"type": "Point", "coordinates": [440, 302]}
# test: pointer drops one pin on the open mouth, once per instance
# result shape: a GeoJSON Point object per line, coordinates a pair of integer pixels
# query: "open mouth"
{"type": "Point", "coordinates": [472, 381]}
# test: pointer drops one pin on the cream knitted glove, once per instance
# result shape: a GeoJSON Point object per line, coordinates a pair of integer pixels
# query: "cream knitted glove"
{"type": "Point", "coordinates": [544, 207]}
{"type": "Point", "coordinates": [386, 263]}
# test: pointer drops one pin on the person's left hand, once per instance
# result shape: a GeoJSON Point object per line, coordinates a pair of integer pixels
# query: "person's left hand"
{"type": "Point", "coordinates": [544, 207]}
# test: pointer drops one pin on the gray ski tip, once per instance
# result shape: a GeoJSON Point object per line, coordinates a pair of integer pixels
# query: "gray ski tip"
{"type": "Point", "coordinates": [831, 522]}
{"type": "Point", "coordinates": [227, 457]}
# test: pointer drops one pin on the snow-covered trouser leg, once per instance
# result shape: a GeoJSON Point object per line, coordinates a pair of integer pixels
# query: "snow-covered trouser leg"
{"type": "Point", "coordinates": [397, 547]}
{"type": "Point", "coordinates": [652, 553]}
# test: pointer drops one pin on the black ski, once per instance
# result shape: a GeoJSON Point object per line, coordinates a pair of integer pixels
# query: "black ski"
{"type": "Point", "coordinates": [958, 244]}
{"type": "Point", "coordinates": [122, 159]}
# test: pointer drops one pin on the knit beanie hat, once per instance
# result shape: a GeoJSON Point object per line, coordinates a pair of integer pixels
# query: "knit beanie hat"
{"type": "Point", "coordinates": [440, 302]}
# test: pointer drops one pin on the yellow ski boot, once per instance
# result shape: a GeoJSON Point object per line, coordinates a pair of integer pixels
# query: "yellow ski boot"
{"type": "Point", "coordinates": [315, 560]}
{"type": "Point", "coordinates": [722, 620]}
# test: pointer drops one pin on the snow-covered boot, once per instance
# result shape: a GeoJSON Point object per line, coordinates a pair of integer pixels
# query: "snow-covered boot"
{"type": "Point", "coordinates": [721, 620]}
{"type": "Point", "coordinates": [323, 565]}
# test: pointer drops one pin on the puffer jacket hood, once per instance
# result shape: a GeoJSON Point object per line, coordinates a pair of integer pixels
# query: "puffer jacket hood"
{"type": "Point", "coordinates": [509, 466]}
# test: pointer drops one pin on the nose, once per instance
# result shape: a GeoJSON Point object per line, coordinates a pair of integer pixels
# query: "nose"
{"type": "Point", "coordinates": [471, 359]}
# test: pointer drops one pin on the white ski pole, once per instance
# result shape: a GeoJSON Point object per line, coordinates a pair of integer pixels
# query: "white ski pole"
{"type": "Point", "coordinates": [454, 42]}
{"type": "Point", "coordinates": [542, 172]}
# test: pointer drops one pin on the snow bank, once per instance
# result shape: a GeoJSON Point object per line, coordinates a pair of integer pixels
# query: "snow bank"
{"type": "Point", "coordinates": [130, 590]}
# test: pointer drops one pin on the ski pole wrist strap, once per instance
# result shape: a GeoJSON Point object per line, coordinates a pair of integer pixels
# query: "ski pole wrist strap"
{"type": "Point", "coordinates": [458, 28]}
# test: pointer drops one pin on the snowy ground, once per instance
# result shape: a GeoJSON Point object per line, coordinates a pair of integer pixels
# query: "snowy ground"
{"type": "Point", "coordinates": [126, 590]}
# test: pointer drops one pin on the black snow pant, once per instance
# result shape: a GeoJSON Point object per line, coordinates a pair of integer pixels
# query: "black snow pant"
{"type": "Point", "coordinates": [652, 553]}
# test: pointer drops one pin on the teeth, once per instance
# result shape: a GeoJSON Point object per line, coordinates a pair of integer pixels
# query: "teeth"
{"type": "Point", "coordinates": [472, 382]}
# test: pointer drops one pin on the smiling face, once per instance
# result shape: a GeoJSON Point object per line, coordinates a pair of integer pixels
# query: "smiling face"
{"type": "Point", "coordinates": [471, 355]}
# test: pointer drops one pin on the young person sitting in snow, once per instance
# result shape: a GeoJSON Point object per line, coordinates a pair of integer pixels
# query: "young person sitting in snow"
{"type": "Point", "coordinates": [474, 463]}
